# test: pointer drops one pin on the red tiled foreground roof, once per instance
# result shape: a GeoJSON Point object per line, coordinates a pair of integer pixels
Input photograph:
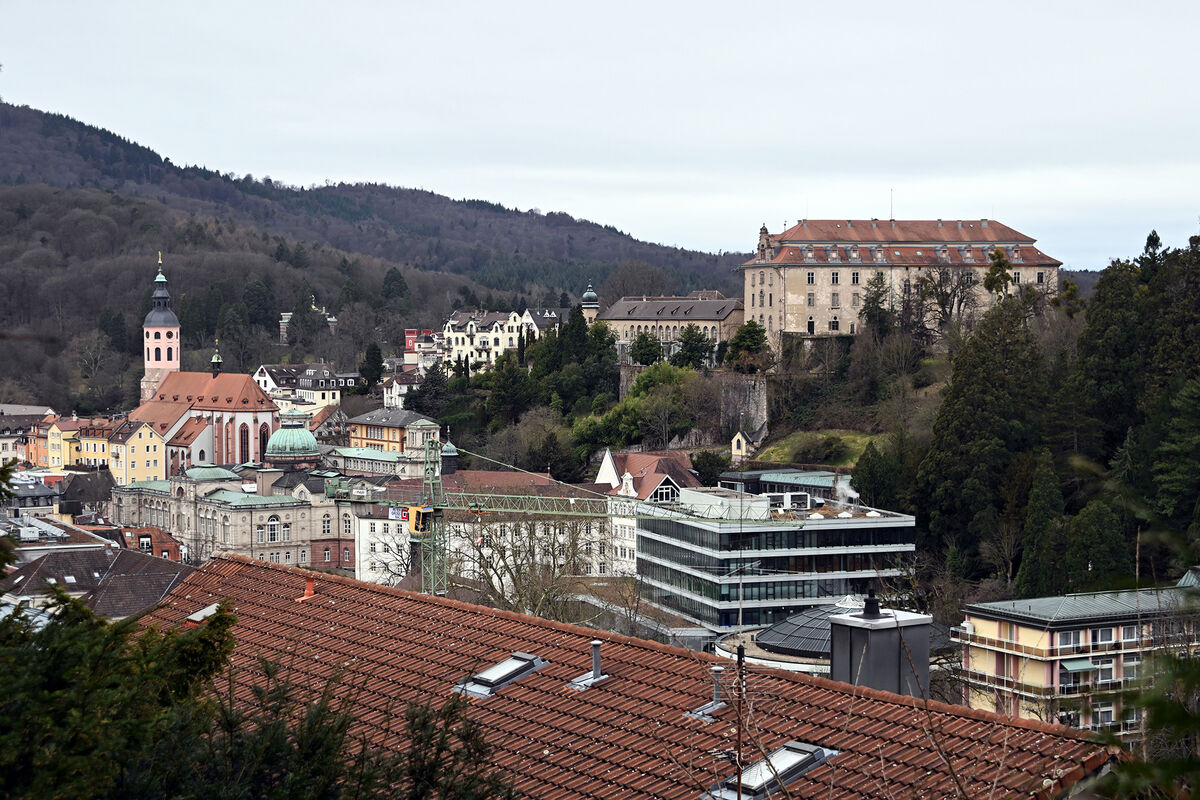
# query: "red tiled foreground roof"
{"type": "Point", "coordinates": [626, 736]}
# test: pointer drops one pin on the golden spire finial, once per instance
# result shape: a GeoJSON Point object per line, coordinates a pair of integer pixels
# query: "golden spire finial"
{"type": "Point", "coordinates": [160, 258]}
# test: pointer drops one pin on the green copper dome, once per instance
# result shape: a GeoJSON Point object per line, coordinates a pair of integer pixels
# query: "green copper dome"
{"type": "Point", "coordinates": [293, 441]}
{"type": "Point", "coordinates": [589, 297]}
{"type": "Point", "coordinates": [449, 449]}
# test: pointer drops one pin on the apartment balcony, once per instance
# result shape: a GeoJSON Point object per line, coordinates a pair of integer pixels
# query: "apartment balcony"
{"type": "Point", "coordinates": [960, 635]}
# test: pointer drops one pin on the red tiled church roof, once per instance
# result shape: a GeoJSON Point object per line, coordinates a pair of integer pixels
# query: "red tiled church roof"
{"type": "Point", "coordinates": [628, 735]}
{"type": "Point", "coordinates": [224, 392]}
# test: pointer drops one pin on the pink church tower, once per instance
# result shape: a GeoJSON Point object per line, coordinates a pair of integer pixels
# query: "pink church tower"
{"type": "Point", "coordinates": [160, 337]}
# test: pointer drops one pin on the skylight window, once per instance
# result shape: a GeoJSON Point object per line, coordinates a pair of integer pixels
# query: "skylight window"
{"type": "Point", "coordinates": [497, 676]}
{"type": "Point", "coordinates": [771, 774]}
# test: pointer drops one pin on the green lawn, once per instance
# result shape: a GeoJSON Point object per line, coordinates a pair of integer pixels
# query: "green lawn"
{"type": "Point", "coordinates": [856, 442]}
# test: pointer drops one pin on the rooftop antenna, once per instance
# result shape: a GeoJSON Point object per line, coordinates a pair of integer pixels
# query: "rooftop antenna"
{"type": "Point", "coordinates": [891, 203]}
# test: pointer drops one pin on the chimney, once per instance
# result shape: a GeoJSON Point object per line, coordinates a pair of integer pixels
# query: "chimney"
{"type": "Point", "coordinates": [596, 671]}
{"type": "Point", "coordinates": [887, 650]}
{"type": "Point", "coordinates": [310, 589]}
{"type": "Point", "coordinates": [716, 672]}
{"type": "Point", "coordinates": [983, 223]}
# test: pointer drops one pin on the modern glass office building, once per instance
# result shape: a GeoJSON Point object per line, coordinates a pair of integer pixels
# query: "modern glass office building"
{"type": "Point", "coordinates": [750, 561]}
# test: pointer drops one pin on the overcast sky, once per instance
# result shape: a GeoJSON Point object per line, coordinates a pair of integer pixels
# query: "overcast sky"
{"type": "Point", "coordinates": [687, 124]}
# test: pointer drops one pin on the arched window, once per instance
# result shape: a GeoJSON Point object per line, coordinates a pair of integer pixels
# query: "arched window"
{"type": "Point", "coordinates": [147, 352]}
{"type": "Point", "coordinates": [264, 433]}
{"type": "Point", "coordinates": [170, 353]}
{"type": "Point", "coordinates": [346, 525]}
{"type": "Point", "coordinates": [158, 354]}
{"type": "Point", "coordinates": [158, 334]}
{"type": "Point", "coordinates": [287, 531]}
{"type": "Point", "coordinates": [761, 295]}
{"type": "Point", "coordinates": [326, 526]}
{"type": "Point", "coordinates": [273, 529]}
{"type": "Point", "coordinates": [244, 443]}
{"type": "Point", "coordinates": [201, 455]}
{"type": "Point", "coordinates": [760, 277]}
{"type": "Point", "coordinates": [225, 529]}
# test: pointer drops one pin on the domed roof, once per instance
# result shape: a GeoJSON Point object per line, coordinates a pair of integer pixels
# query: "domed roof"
{"type": "Point", "coordinates": [590, 297]}
{"type": "Point", "coordinates": [293, 441]}
{"type": "Point", "coordinates": [448, 449]}
{"type": "Point", "coordinates": [203, 471]}
{"type": "Point", "coordinates": [161, 315]}
{"type": "Point", "coordinates": [805, 634]}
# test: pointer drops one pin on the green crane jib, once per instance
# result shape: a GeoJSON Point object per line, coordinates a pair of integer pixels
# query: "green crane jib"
{"type": "Point", "coordinates": [425, 512]}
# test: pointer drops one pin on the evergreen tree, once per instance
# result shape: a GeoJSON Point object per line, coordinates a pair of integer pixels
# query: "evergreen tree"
{"type": "Point", "coordinates": [101, 710]}
{"type": "Point", "coordinates": [987, 417]}
{"type": "Point", "coordinates": [645, 349]}
{"type": "Point", "coordinates": [999, 274]}
{"type": "Point", "coordinates": [709, 464]}
{"type": "Point", "coordinates": [432, 396]}
{"type": "Point", "coordinates": [511, 393]}
{"type": "Point", "coordinates": [1177, 462]}
{"type": "Point", "coordinates": [748, 350]}
{"type": "Point", "coordinates": [1041, 571]}
{"type": "Point", "coordinates": [1097, 555]}
{"type": "Point", "coordinates": [573, 338]}
{"type": "Point", "coordinates": [372, 367]}
{"type": "Point", "coordinates": [521, 347]}
{"type": "Point", "coordinates": [876, 314]}
{"type": "Point", "coordinates": [694, 348]}
{"type": "Point", "coordinates": [874, 478]}
{"type": "Point", "coordinates": [260, 304]}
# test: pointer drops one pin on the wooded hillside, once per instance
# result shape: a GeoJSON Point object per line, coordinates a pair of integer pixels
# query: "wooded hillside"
{"type": "Point", "coordinates": [501, 248]}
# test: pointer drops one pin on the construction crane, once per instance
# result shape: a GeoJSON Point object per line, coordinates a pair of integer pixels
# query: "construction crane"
{"type": "Point", "coordinates": [424, 512]}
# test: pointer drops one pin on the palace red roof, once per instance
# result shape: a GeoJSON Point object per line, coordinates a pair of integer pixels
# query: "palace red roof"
{"type": "Point", "coordinates": [917, 231]}
{"type": "Point", "coordinates": [629, 734]}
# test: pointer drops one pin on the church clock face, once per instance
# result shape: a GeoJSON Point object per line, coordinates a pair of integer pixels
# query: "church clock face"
{"type": "Point", "coordinates": [170, 334]}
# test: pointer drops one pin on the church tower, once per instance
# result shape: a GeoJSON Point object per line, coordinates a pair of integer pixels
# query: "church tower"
{"type": "Point", "coordinates": [160, 337]}
{"type": "Point", "coordinates": [591, 305]}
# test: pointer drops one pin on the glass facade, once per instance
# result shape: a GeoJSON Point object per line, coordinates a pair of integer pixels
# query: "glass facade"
{"type": "Point", "coordinates": [706, 573]}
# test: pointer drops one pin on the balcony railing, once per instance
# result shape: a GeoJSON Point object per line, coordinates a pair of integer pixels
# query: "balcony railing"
{"type": "Point", "coordinates": [962, 636]}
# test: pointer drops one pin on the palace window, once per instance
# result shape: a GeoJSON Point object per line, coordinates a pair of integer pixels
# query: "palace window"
{"type": "Point", "coordinates": [834, 278]}
{"type": "Point", "coordinates": [854, 278]}
{"type": "Point", "coordinates": [835, 301]}
{"type": "Point", "coordinates": [812, 299]}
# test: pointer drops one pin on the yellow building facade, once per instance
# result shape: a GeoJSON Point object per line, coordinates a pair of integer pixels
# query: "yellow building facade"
{"type": "Point", "coordinates": [136, 453]}
{"type": "Point", "coordinates": [1066, 659]}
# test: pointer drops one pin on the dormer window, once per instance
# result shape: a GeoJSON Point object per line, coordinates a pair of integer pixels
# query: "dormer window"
{"type": "Point", "coordinates": [833, 254]}
{"type": "Point", "coordinates": [808, 253]}
{"type": "Point", "coordinates": [769, 776]}
{"type": "Point", "coordinates": [497, 676]}
{"type": "Point", "coordinates": [854, 253]}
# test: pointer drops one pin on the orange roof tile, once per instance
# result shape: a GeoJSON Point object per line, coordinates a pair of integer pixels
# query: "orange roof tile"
{"type": "Point", "coordinates": [188, 432]}
{"type": "Point", "coordinates": [225, 392]}
{"type": "Point", "coordinates": [627, 735]}
{"type": "Point", "coordinates": [160, 415]}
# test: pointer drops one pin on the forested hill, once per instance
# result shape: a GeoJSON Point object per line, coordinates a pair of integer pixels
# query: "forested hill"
{"type": "Point", "coordinates": [498, 247]}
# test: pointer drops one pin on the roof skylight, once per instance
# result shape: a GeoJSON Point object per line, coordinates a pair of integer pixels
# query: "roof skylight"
{"type": "Point", "coordinates": [497, 676]}
{"type": "Point", "coordinates": [768, 775]}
